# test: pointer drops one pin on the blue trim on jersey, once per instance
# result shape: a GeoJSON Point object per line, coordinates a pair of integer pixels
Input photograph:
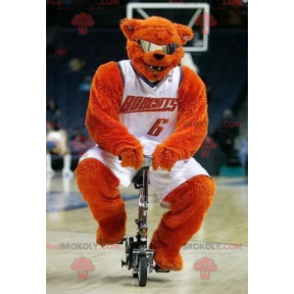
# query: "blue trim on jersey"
{"type": "Point", "coordinates": [121, 72]}
{"type": "Point", "coordinates": [150, 84]}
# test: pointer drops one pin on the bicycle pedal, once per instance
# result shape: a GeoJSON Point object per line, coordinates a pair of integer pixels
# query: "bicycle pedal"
{"type": "Point", "coordinates": [160, 270]}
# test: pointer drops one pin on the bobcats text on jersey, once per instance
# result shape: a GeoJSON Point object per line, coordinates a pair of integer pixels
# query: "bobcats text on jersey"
{"type": "Point", "coordinates": [143, 104]}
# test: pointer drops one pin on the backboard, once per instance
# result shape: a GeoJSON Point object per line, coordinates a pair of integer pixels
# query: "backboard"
{"type": "Point", "coordinates": [194, 15]}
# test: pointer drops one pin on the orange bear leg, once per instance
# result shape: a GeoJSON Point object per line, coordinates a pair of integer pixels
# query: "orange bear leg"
{"type": "Point", "coordinates": [99, 188]}
{"type": "Point", "coordinates": [188, 206]}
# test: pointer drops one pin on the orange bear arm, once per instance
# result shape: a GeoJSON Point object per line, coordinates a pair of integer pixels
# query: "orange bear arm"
{"type": "Point", "coordinates": [192, 123]}
{"type": "Point", "coordinates": [102, 118]}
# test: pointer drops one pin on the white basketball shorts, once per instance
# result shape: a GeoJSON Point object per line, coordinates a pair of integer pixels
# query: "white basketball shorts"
{"type": "Point", "coordinates": [161, 180]}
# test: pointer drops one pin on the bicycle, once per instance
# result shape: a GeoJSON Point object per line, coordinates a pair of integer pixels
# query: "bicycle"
{"type": "Point", "coordinates": [139, 257]}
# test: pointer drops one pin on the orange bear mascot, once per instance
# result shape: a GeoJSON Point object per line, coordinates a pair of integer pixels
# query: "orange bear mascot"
{"type": "Point", "coordinates": [143, 106]}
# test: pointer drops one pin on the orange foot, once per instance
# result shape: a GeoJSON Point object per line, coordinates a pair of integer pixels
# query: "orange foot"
{"type": "Point", "coordinates": [111, 231]}
{"type": "Point", "coordinates": [106, 237]}
{"type": "Point", "coordinates": [165, 257]}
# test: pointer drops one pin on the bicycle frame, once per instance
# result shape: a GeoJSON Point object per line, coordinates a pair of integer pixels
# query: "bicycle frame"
{"type": "Point", "coordinates": [139, 257]}
{"type": "Point", "coordinates": [143, 205]}
{"type": "Point", "coordinates": [142, 217]}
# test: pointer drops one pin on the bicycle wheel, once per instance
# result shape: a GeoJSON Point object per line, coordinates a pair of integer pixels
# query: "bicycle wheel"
{"type": "Point", "coordinates": [142, 271]}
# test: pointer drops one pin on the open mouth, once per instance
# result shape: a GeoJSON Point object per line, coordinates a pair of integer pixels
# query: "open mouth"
{"type": "Point", "coordinates": [155, 68]}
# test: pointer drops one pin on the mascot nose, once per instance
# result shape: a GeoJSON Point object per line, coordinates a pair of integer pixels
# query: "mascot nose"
{"type": "Point", "coordinates": [158, 56]}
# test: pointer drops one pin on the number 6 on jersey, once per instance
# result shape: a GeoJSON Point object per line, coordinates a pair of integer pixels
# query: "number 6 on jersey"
{"type": "Point", "coordinates": [156, 129]}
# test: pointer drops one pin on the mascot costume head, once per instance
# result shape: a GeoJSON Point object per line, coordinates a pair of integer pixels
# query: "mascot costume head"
{"type": "Point", "coordinates": [155, 45]}
{"type": "Point", "coordinates": [134, 98]}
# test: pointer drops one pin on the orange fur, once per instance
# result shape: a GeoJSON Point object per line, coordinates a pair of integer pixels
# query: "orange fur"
{"type": "Point", "coordinates": [190, 201]}
{"type": "Point", "coordinates": [99, 186]}
{"type": "Point", "coordinates": [189, 204]}
{"type": "Point", "coordinates": [102, 119]}
{"type": "Point", "coordinates": [191, 127]}
{"type": "Point", "coordinates": [161, 32]}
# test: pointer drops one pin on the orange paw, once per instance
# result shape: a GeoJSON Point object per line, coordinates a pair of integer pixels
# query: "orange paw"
{"type": "Point", "coordinates": [107, 237]}
{"type": "Point", "coordinates": [164, 158]}
{"type": "Point", "coordinates": [132, 158]}
{"type": "Point", "coordinates": [166, 258]}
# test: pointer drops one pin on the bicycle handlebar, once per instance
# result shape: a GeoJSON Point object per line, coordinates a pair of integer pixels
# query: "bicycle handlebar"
{"type": "Point", "coordinates": [148, 156]}
{"type": "Point", "coordinates": [147, 160]}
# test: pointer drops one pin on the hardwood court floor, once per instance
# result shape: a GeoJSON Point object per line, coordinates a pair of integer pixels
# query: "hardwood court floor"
{"type": "Point", "coordinates": [224, 229]}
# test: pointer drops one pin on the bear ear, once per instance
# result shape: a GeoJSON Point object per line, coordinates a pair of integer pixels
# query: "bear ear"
{"type": "Point", "coordinates": [185, 33]}
{"type": "Point", "coordinates": [129, 26]}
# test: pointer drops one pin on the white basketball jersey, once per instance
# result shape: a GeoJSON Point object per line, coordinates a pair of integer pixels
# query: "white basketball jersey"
{"type": "Point", "coordinates": [148, 111]}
